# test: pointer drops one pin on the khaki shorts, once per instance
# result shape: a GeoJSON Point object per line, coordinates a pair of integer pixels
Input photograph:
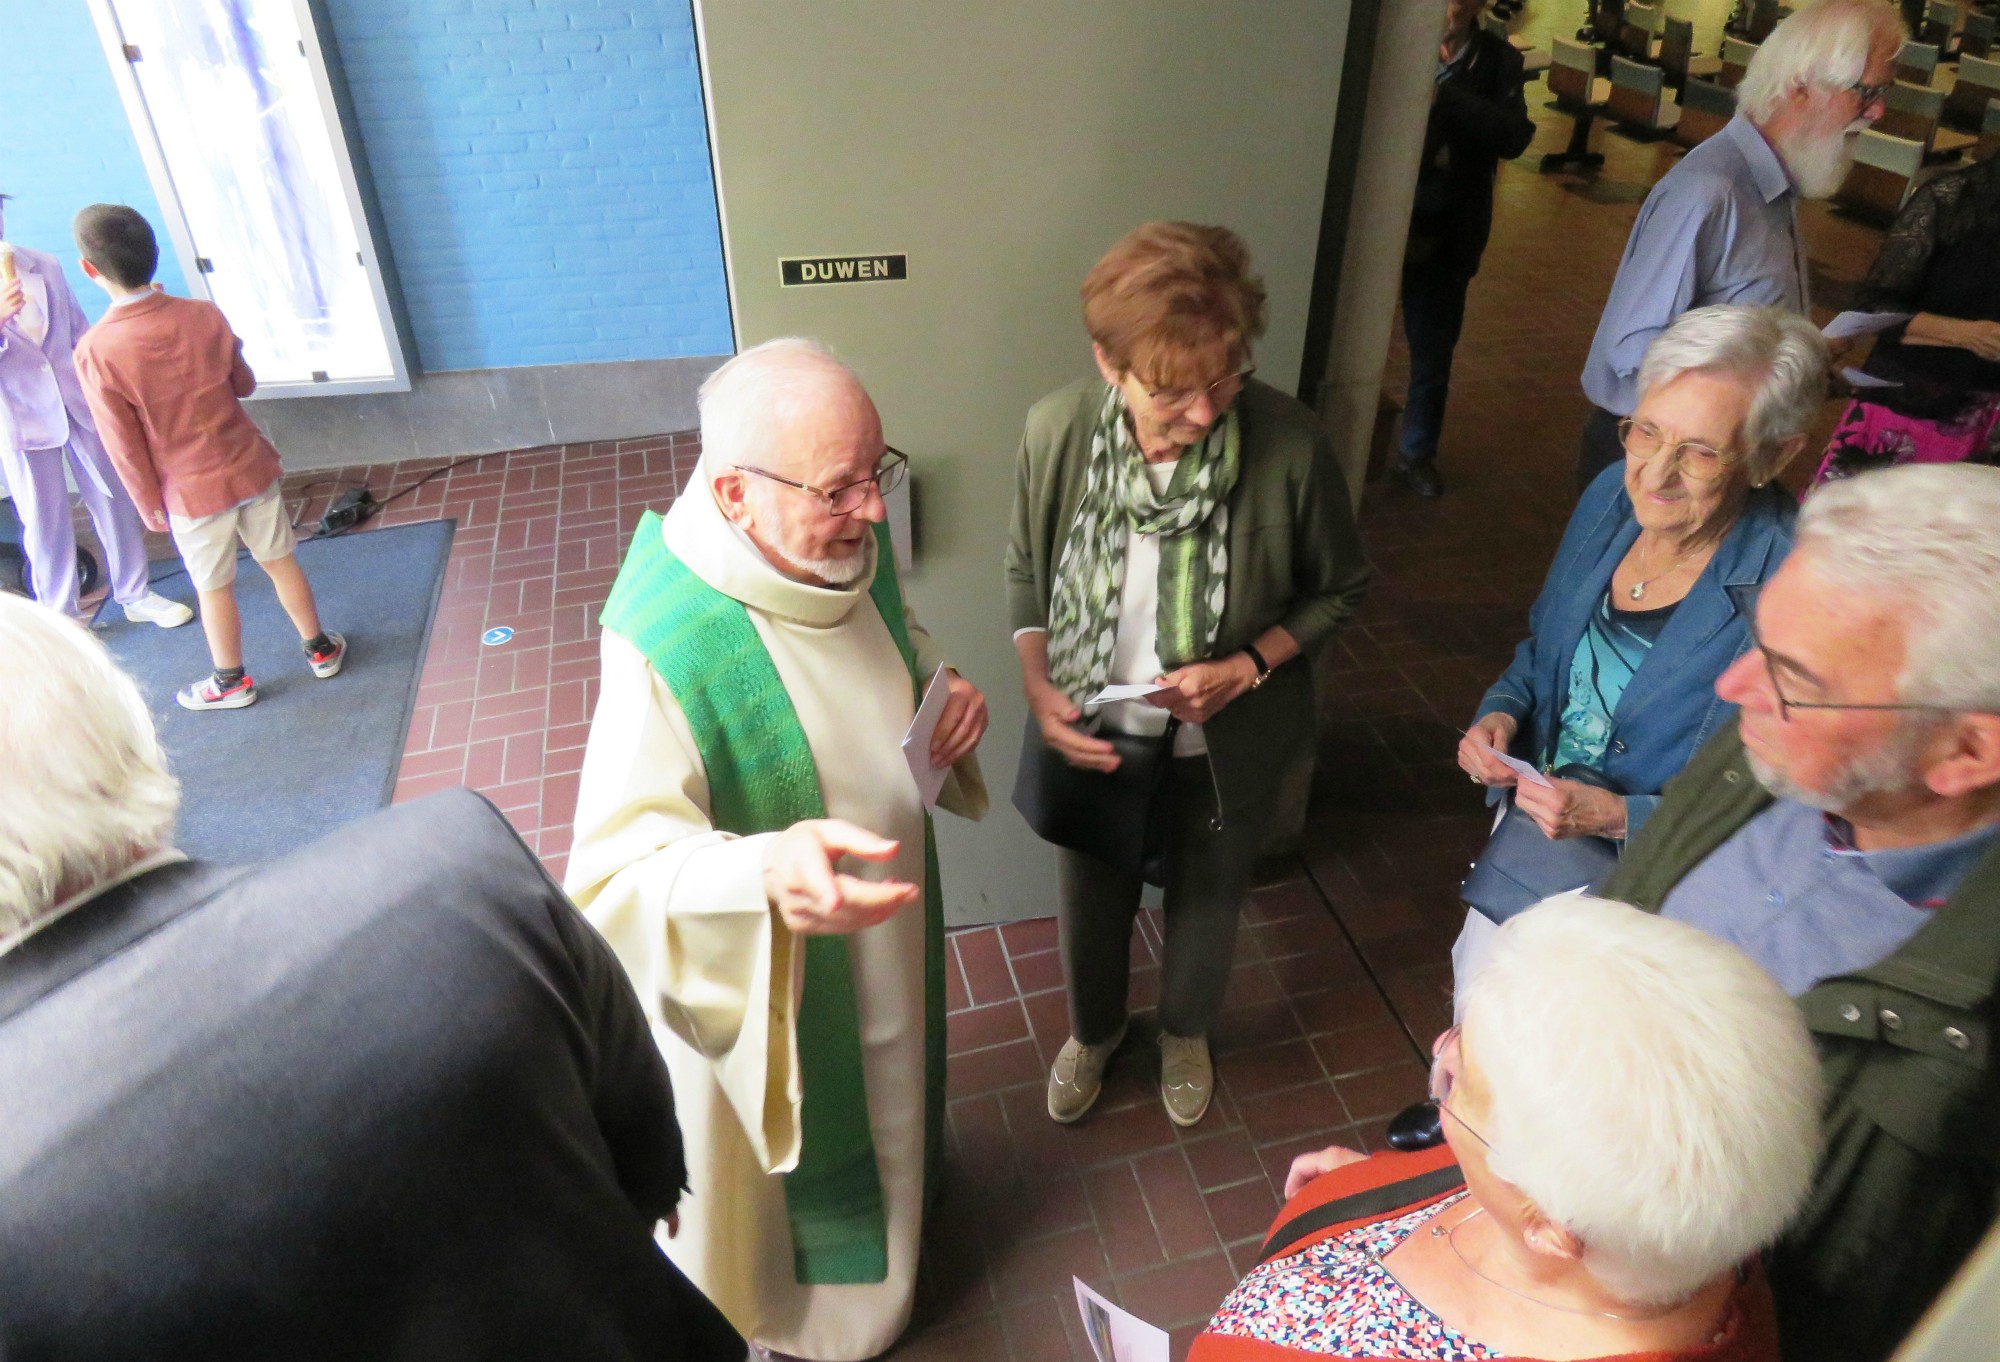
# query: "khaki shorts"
{"type": "Point", "coordinates": [208, 543]}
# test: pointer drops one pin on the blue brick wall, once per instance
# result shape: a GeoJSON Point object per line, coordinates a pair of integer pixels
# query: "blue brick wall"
{"type": "Point", "coordinates": [64, 141]}
{"type": "Point", "coordinates": [544, 176]}
{"type": "Point", "coordinates": [542, 167]}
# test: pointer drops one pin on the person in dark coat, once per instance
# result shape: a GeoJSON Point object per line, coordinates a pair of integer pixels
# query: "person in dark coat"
{"type": "Point", "coordinates": [1479, 117]}
{"type": "Point", "coordinates": [386, 1097]}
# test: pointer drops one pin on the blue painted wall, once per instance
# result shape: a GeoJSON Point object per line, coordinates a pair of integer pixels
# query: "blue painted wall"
{"type": "Point", "coordinates": [542, 167]}
{"type": "Point", "coordinates": [543, 171]}
{"type": "Point", "coordinates": [64, 141]}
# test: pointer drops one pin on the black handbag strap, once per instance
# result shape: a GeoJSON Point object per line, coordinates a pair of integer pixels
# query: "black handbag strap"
{"type": "Point", "coordinates": [1375, 1201]}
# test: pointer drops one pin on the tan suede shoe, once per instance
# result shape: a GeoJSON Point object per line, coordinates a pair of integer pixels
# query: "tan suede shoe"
{"type": "Point", "coordinates": [1187, 1078]}
{"type": "Point", "coordinates": [1077, 1076]}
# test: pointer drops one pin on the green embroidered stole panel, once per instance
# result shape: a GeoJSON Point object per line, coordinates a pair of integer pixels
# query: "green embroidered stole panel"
{"type": "Point", "coordinates": [762, 778]}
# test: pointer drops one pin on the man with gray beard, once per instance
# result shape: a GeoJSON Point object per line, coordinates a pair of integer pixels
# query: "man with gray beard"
{"type": "Point", "coordinates": [1722, 226]}
{"type": "Point", "coordinates": [1845, 834]}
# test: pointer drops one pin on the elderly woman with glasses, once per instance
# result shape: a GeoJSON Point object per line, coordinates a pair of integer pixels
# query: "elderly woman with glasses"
{"type": "Point", "coordinates": [1631, 1110]}
{"type": "Point", "coordinates": [1613, 689]}
{"type": "Point", "coordinates": [1180, 530]}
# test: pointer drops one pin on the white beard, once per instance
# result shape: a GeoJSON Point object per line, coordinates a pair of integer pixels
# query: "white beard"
{"type": "Point", "coordinates": [1819, 165]}
{"type": "Point", "coordinates": [1883, 771]}
{"type": "Point", "coordinates": [832, 571]}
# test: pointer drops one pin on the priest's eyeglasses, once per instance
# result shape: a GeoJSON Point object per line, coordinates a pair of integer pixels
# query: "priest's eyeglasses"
{"type": "Point", "coordinates": [849, 497]}
{"type": "Point", "coordinates": [1699, 463]}
{"type": "Point", "coordinates": [1745, 598]}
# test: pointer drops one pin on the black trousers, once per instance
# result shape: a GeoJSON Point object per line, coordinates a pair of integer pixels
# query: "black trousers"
{"type": "Point", "coordinates": [1600, 446]}
{"type": "Point", "coordinates": [1207, 872]}
{"type": "Point", "coordinates": [1433, 315]}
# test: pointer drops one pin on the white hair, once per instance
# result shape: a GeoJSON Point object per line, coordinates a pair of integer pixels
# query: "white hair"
{"type": "Point", "coordinates": [747, 403]}
{"type": "Point", "coordinates": [1824, 44]}
{"type": "Point", "coordinates": [1653, 1091]}
{"type": "Point", "coordinates": [1781, 352]}
{"type": "Point", "coordinates": [1930, 535]}
{"type": "Point", "coordinates": [84, 788]}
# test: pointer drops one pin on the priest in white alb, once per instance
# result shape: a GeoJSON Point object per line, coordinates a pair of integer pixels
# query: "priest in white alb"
{"type": "Point", "coordinates": [753, 843]}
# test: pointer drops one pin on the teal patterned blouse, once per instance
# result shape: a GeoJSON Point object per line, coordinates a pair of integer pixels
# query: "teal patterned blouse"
{"type": "Point", "coordinates": [1607, 655]}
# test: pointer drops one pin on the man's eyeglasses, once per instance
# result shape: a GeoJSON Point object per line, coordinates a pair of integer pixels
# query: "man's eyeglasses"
{"type": "Point", "coordinates": [849, 497]}
{"type": "Point", "coordinates": [1444, 1077]}
{"type": "Point", "coordinates": [1645, 442]}
{"type": "Point", "coordinates": [1224, 388]}
{"type": "Point", "coordinates": [1745, 598]}
{"type": "Point", "coordinates": [1869, 94]}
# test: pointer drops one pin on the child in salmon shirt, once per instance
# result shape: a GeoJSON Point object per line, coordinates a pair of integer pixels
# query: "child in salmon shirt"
{"type": "Point", "coordinates": [163, 376]}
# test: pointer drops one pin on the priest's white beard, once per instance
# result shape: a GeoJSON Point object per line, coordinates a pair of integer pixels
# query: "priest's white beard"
{"type": "Point", "coordinates": [832, 571]}
{"type": "Point", "coordinates": [1819, 165]}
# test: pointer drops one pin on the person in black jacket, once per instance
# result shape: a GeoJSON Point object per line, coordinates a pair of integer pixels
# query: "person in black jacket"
{"type": "Point", "coordinates": [387, 1097]}
{"type": "Point", "coordinates": [1479, 117]}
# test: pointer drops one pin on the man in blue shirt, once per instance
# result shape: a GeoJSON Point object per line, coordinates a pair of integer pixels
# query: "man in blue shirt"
{"type": "Point", "coordinates": [1722, 226]}
{"type": "Point", "coordinates": [1845, 834]}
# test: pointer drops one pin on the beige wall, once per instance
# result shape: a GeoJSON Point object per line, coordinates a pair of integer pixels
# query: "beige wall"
{"type": "Point", "coordinates": [1003, 147]}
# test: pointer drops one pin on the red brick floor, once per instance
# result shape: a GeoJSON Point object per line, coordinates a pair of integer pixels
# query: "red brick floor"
{"type": "Point", "coordinates": [1342, 971]}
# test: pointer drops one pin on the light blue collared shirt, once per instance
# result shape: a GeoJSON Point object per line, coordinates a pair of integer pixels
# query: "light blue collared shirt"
{"type": "Point", "coordinates": [1793, 893]}
{"type": "Point", "coordinates": [1721, 227]}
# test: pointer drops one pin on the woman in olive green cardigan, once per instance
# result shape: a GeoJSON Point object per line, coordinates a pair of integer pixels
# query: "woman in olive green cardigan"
{"type": "Point", "coordinates": [1175, 521]}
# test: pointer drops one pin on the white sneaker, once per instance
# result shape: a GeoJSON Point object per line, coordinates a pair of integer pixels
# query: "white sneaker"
{"type": "Point", "coordinates": [153, 608]}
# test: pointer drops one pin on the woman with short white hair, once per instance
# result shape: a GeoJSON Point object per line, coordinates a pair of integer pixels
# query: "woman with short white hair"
{"type": "Point", "coordinates": [1614, 687]}
{"type": "Point", "coordinates": [1631, 1113]}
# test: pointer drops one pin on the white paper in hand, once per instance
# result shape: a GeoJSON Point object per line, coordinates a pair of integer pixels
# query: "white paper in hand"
{"type": "Point", "coordinates": [1522, 769]}
{"type": "Point", "coordinates": [917, 742]}
{"type": "Point", "coordinates": [1136, 690]}
{"type": "Point", "coordinates": [1848, 325]}
{"type": "Point", "coordinates": [1118, 1335]}
{"type": "Point", "coordinates": [1860, 381]}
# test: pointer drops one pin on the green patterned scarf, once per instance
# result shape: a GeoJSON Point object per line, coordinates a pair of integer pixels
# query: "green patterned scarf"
{"type": "Point", "coordinates": [1192, 519]}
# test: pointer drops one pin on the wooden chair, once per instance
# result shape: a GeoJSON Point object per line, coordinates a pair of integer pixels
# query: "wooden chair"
{"type": "Point", "coordinates": [1912, 112]}
{"type": "Point", "coordinates": [1917, 63]}
{"type": "Point", "coordinates": [1976, 38]}
{"type": "Point", "coordinates": [1978, 84]}
{"type": "Point", "coordinates": [1638, 102]}
{"type": "Point", "coordinates": [1705, 108]}
{"type": "Point", "coordinates": [1579, 92]}
{"type": "Point", "coordinates": [1884, 169]}
{"type": "Point", "coordinates": [1736, 55]}
{"type": "Point", "coordinates": [1989, 135]}
{"type": "Point", "coordinates": [1940, 25]}
{"type": "Point", "coordinates": [1637, 33]}
{"type": "Point", "coordinates": [1677, 56]}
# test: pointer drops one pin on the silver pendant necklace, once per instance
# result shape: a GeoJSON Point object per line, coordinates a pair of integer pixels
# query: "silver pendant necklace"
{"type": "Point", "coordinates": [1638, 589]}
{"type": "Point", "coordinates": [1448, 1233]}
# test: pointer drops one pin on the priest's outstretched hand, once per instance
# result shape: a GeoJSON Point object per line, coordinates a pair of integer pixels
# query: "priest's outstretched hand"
{"type": "Point", "coordinates": [814, 899]}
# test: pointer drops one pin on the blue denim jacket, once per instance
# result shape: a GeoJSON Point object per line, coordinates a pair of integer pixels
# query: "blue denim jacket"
{"type": "Point", "coordinates": [1671, 706]}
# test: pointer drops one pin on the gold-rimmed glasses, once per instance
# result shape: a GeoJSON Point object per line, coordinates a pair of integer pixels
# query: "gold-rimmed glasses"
{"type": "Point", "coordinates": [1645, 442]}
{"type": "Point", "coordinates": [1223, 390]}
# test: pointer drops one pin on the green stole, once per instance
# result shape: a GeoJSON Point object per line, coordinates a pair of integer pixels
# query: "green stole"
{"type": "Point", "coordinates": [762, 778]}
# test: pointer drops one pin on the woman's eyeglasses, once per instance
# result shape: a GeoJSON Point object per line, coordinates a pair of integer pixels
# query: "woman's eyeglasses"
{"type": "Point", "coordinates": [1698, 462]}
{"type": "Point", "coordinates": [1445, 1061]}
{"type": "Point", "coordinates": [1224, 388]}
{"type": "Point", "coordinates": [849, 497]}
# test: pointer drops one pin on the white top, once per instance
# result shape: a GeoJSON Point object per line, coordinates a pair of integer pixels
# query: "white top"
{"type": "Point", "coordinates": [1135, 653]}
